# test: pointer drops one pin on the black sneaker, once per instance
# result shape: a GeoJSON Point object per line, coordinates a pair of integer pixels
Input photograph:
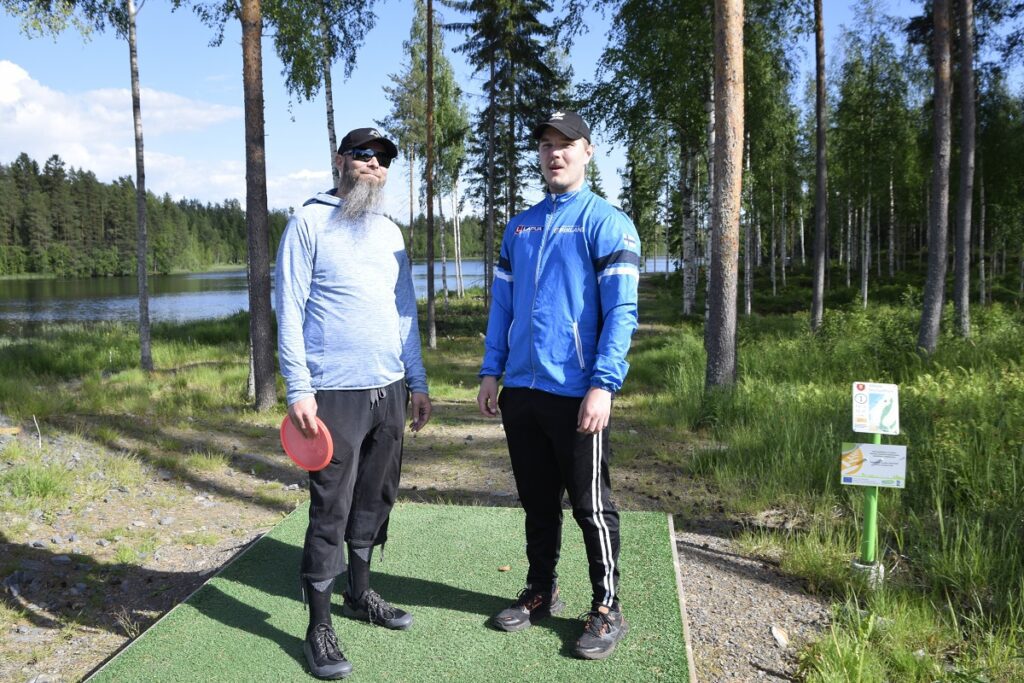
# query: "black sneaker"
{"type": "Point", "coordinates": [376, 610]}
{"type": "Point", "coordinates": [323, 655]}
{"type": "Point", "coordinates": [601, 633]}
{"type": "Point", "coordinates": [530, 607]}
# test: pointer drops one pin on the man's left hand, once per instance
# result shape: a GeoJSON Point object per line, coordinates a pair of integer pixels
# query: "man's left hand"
{"type": "Point", "coordinates": [594, 411]}
{"type": "Point", "coordinates": [420, 411]}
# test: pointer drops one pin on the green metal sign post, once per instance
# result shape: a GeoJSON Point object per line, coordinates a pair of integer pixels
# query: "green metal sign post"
{"type": "Point", "coordinates": [869, 536]}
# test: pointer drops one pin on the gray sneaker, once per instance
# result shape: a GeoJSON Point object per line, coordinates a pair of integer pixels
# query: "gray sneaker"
{"type": "Point", "coordinates": [530, 607]}
{"type": "Point", "coordinates": [376, 610]}
{"type": "Point", "coordinates": [323, 655]}
{"type": "Point", "coordinates": [601, 633]}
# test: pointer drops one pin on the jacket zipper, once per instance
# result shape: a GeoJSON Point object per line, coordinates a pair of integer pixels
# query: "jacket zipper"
{"type": "Point", "coordinates": [536, 284]}
{"type": "Point", "coordinates": [579, 344]}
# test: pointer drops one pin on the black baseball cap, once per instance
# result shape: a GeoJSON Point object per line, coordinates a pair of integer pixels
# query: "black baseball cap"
{"type": "Point", "coordinates": [568, 123]}
{"type": "Point", "coordinates": [361, 136]}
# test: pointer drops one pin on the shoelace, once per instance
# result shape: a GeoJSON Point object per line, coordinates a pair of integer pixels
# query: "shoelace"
{"type": "Point", "coordinates": [327, 642]}
{"type": "Point", "coordinates": [596, 623]}
{"type": "Point", "coordinates": [378, 608]}
{"type": "Point", "coordinates": [529, 599]}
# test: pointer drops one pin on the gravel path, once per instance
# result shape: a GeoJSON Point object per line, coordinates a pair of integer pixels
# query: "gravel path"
{"type": "Point", "coordinates": [68, 600]}
{"type": "Point", "coordinates": [746, 619]}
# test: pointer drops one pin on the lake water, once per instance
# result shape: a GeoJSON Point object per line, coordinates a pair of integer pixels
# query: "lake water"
{"type": "Point", "coordinates": [190, 296]}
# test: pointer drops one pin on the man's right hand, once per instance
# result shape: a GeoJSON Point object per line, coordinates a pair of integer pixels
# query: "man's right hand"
{"type": "Point", "coordinates": [303, 416]}
{"type": "Point", "coordinates": [487, 398]}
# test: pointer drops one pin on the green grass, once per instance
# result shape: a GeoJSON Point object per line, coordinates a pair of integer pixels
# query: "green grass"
{"type": "Point", "coordinates": [952, 540]}
{"type": "Point", "coordinates": [442, 564]}
{"type": "Point", "coordinates": [34, 484]}
{"type": "Point", "coordinates": [206, 461]}
{"type": "Point", "coordinates": [198, 538]}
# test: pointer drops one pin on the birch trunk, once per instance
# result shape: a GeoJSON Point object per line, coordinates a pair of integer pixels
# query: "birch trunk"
{"type": "Point", "coordinates": [965, 191]}
{"type": "Point", "coordinates": [444, 252]}
{"type": "Point", "coordinates": [141, 243]}
{"type": "Point", "coordinates": [332, 140]}
{"type": "Point", "coordinates": [934, 290]}
{"type": "Point", "coordinates": [689, 232]}
{"type": "Point", "coordinates": [865, 261]}
{"type": "Point", "coordinates": [981, 237]}
{"type": "Point", "coordinates": [431, 304]}
{"type": "Point", "coordinates": [774, 237]}
{"type": "Point", "coordinates": [892, 228]}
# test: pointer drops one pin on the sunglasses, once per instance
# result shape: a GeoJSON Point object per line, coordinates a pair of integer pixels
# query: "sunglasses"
{"type": "Point", "coordinates": [364, 155]}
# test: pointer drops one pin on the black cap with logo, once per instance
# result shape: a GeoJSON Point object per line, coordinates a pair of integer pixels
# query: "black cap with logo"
{"type": "Point", "coordinates": [568, 123]}
{"type": "Point", "coordinates": [361, 136]}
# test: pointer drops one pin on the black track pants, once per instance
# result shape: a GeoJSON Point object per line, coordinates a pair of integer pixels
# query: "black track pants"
{"type": "Point", "coordinates": [350, 499]}
{"type": "Point", "coordinates": [549, 458]}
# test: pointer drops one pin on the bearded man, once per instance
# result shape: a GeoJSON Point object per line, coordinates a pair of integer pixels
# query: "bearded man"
{"type": "Point", "coordinates": [349, 349]}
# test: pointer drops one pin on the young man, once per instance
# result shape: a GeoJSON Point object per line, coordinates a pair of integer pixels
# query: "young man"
{"type": "Point", "coordinates": [563, 311]}
{"type": "Point", "coordinates": [349, 350]}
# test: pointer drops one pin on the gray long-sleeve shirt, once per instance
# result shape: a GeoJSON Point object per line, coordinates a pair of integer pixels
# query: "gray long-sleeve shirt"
{"type": "Point", "coordinates": [346, 305]}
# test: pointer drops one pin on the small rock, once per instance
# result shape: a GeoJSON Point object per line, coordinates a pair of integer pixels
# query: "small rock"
{"type": "Point", "coordinates": [103, 543]}
{"type": "Point", "coordinates": [38, 544]}
{"type": "Point", "coordinates": [199, 499]}
{"type": "Point", "coordinates": [469, 437]}
{"type": "Point", "coordinates": [61, 559]}
{"type": "Point", "coordinates": [73, 538]}
{"type": "Point", "coordinates": [291, 487]}
{"type": "Point", "coordinates": [164, 475]}
{"type": "Point", "coordinates": [164, 521]}
{"type": "Point", "coordinates": [56, 540]}
{"type": "Point", "coordinates": [188, 487]}
{"type": "Point", "coordinates": [138, 523]}
{"type": "Point", "coordinates": [780, 635]}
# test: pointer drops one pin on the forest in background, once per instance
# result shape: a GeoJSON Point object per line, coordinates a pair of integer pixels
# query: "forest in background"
{"type": "Point", "coordinates": [64, 222]}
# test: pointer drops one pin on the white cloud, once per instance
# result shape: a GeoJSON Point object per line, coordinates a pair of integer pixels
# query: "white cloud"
{"type": "Point", "coordinates": [93, 129]}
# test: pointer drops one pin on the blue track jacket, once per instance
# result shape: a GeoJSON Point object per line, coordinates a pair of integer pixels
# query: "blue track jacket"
{"type": "Point", "coordinates": [564, 302]}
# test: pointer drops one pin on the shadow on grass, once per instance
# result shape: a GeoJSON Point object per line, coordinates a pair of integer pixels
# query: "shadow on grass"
{"type": "Point", "coordinates": [132, 428]}
{"type": "Point", "coordinates": [407, 591]}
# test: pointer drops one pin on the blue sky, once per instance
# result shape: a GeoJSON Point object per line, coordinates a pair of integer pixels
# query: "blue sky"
{"type": "Point", "coordinates": [71, 97]}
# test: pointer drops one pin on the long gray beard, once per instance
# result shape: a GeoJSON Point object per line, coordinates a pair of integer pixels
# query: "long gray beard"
{"type": "Point", "coordinates": [360, 197]}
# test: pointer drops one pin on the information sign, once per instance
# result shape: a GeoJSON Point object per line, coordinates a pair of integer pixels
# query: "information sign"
{"type": "Point", "coordinates": [876, 408]}
{"type": "Point", "coordinates": [869, 464]}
